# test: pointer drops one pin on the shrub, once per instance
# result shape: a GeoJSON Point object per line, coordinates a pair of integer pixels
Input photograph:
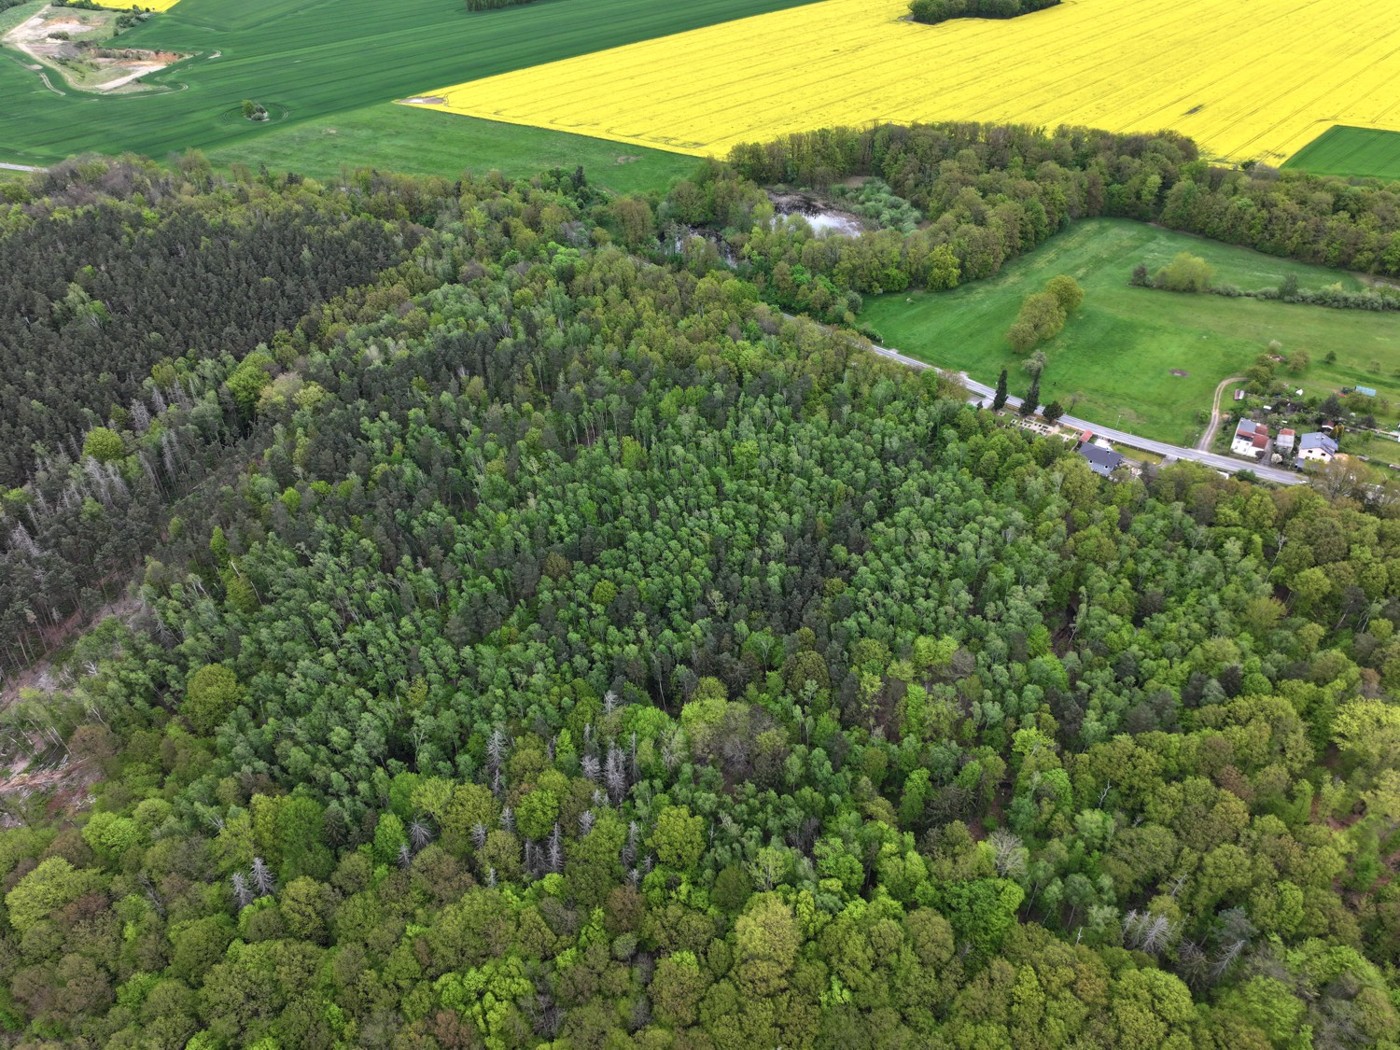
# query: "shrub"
{"type": "Point", "coordinates": [1185, 273]}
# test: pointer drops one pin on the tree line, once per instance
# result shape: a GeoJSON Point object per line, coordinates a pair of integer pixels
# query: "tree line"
{"type": "Point", "coordinates": [990, 193]}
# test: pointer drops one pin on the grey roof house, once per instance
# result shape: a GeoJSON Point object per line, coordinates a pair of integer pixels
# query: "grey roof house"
{"type": "Point", "coordinates": [1102, 461]}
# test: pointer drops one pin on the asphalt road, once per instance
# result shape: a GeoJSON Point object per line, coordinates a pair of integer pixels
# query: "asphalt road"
{"type": "Point", "coordinates": [983, 393]}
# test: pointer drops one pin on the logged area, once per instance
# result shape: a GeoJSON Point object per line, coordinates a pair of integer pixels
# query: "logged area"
{"type": "Point", "coordinates": [311, 62]}
{"type": "Point", "coordinates": [1245, 81]}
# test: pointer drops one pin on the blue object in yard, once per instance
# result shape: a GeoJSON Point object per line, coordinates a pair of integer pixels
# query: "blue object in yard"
{"type": "Point", "coordinates": [1369, 391]}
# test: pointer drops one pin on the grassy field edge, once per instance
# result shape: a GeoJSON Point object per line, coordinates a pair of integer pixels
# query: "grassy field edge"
{"type": "Point", "coordinates": [1353, 152]}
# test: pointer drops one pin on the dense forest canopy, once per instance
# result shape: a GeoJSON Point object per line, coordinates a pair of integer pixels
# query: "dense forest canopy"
{"type": "Point", "coordinates": [108, 276]}
{"type": "Point", "coordinates": [536, 643]}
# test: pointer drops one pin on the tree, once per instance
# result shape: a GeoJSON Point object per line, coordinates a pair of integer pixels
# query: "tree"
{"type": "Point", "coordinates": [1022, 336]}
{"type": "Point", "coordinates": [54, 883]}
{"type": "Point", "coordinates": [211, 695]}
{"type": "Point", "coordinates": [678, 838]}
{"type": "Point", "coordinates": [537, 812]}
{"type": "Point", "coordinates": [1041, 318]}
{"type": "Point", "coordinates": [103, 445]}
{"type": "Point", "coordinates": [246, 382]}
{"type": "Point", "coordinates": [677, 988]}
{"type": "Point", "coordinates": [1367, 733]}
{"type": "Point", "coordinates": [766, 943]}
{"type": "Point", "coordinates": [1032, 399]}
{"type": "Point", "coordinates": [1053, 411]}
{"type": "Point", "coordinates": [1066, 291]}
{"type": "Point", "coordinates": [999, 399]}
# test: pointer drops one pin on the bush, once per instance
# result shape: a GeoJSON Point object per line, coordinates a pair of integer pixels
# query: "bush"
{"type": "Point", "coordinates": [1185, 273]}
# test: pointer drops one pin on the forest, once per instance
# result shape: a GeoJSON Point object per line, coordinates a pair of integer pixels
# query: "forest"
{"type": "Point", "coordinates": [543, 640]}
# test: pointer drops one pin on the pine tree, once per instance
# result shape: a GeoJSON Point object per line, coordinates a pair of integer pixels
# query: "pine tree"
{"type": "Point", "coordinates": [1000, 399]}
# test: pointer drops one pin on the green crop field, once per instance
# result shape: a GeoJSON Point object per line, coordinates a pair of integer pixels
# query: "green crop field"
{"type": "Point", "coordinates": [398, 138]}
{"type": "Point", "coordinates": [1351, 151]}
{"type": "Point", "coordinates": [1116, 356]}
{"type": "Point", "coordinates": [313, 63]}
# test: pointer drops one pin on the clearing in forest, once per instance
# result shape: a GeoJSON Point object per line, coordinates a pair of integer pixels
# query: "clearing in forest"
{"type": "Point", "coordinates": [1144, 359]}
{"type": "Point", "coordinates": [1245, 80]}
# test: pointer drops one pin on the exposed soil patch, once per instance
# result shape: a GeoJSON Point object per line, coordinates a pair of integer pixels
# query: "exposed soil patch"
{"type": "Point", "coordinates": [1179, 372]}
{"type": "Point", "coordinates": [425, 100]}
{"type": "Point", "coordinates": [76, 43]}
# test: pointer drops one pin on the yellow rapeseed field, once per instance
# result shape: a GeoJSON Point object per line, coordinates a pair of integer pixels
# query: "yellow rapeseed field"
{"type": "Point", "coordinates": [1247, 80]}
{"type": "Point", "coordinates": [149, 5]}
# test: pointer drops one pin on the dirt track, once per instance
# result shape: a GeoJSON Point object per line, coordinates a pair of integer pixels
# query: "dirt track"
{"type": "Point", "coordinates": [1209, 435]}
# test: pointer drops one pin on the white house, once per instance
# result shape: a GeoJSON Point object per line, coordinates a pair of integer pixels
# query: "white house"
{"type": "Point", "coordinates": [1318, 447]}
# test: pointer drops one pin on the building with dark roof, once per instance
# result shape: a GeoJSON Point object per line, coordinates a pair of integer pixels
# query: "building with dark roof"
{"type": "Point", "coordinates": [1102, 461]}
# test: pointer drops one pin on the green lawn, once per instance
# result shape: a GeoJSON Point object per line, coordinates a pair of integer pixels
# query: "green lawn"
{"type": "Point", "coordinates": [337, 64]}
{"type": "Point", "coordinates": [1351, 151]}
{"type": "Point", "coordinates": [1115, 358]}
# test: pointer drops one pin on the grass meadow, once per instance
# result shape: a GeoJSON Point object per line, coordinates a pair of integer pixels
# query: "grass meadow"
{"type": "Point", "coordinates": [313, 63]}
{"type": "Point", "coordinates": [1115, 360]}
{"type": "Point", "coordinates": [1351, 151]}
